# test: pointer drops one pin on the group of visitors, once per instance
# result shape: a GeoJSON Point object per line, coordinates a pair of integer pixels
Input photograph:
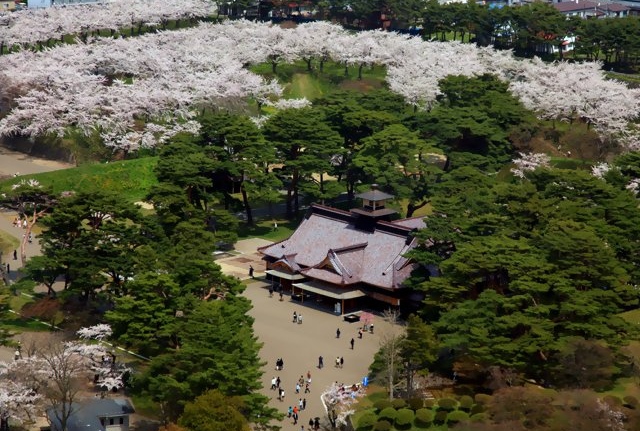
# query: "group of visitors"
{"type": "Point", "coordinates": [297, 317]}
{"type": "Point", "coordinates": [19, 222]}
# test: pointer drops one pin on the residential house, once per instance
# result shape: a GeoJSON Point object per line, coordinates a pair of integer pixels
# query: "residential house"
{"type": "Point", "coordinates": [347, 260]}
{"type": "Point", "coordinates": [95, 414]}
{"type": "Point", "coordinates": [39, 4]}
{"type": "Point", "coordinates": [592, 9]}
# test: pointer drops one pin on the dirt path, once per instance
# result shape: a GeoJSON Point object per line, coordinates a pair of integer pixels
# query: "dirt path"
{"type": "Point", "coordinates": [12, 163]}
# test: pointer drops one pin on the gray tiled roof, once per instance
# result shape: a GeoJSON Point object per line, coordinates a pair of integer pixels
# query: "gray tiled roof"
{"type": "Point", "coordinates": [329, 245]}
{"type": "Point", "coordinates": [375, 195]}
{"type": "Point", "coordinates": [86, 414]}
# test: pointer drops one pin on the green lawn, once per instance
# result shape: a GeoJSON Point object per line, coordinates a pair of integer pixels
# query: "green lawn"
{"type": "Point", "coordinates": [264, 229]}
{"type": "Point", "coordinates": [8, 243]}
{"type": "Point", "coordinates": [131, 179]}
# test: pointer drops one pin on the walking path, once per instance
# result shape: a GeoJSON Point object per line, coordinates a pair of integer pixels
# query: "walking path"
{"type": "Point", "coordinates": [300, 345]}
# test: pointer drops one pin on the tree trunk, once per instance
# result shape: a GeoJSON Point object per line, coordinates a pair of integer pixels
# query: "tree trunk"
{"type": "Point", "coordinates": [360, 71]}
{"type": "Point", "coordinates": [308, 64]}
{"type": "Point", "coordinates": [247, 207]}
{"type": "Point", "coordinates": [274, 64]}
{"type": "Point", "coordinates": [321, 65]}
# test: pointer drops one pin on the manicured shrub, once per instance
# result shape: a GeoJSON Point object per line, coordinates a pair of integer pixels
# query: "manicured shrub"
{"type": "Point", "coordinates": [424, 417]}
{"type": "Point", "coordinates": [477, 408]}
{"type": "Point", "coordinates": [429, 403]}
{"type": "Point", "coordinates": [381, 405]}
{"type": "Point", "coordinates": [482, 399]}
{"type": "Point", "coordinates": [613, 401]}
{"type": "Point", "coordinates": [383, 425]}
{"type": "Point", "coordinates": [466, 402]}
{"type": "Point", "coordinates": [398, 403]}
{"type": "Point", "coordinates": [457, 416]}
{"type": "Point", "coordinates": [441, 417]}
{"type": "Point", "coordinates": [630, 402]}
{"type": "Point", "coordinates": [478, 417]}
{"type": "Point", "coordinates": [415, 403]}
{"type": "Point", "coordinates": [447, 404]}
{"type": "Point", "coordinates": [388, 414]}
{"type": "Point", "coordinates": [404, 419]}
{"type": "Point", "coordinates": [367, 421]}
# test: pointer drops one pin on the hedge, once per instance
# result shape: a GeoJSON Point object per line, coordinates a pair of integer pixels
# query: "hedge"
{"type": "Point", "coordinates": [404, 418]}
{"type": "Point", "coordinates": [466, 402]}
{"type": "Point", "coordinates": [424, 417]}
{"type": "Point", "coordinates": [447, 404]}
{"type": "Point", "coordinates": [457, 416]}
{"type": "Point", "coordinates": [382, 426]}
{"type": "Point", "coordinates": [388, 414]}
{"type": "Point", "coordinates": [398, 403]}
{"type": "Point", "coordinates": [478, 417]}
{"type": "Point", "coordinates": [415, 403]}
{"type": "Point", "coordinates": [381, 404]}
{"type": "Point", "coordinates": [477, 408]}
{"type": "Point", "coordinates": [482, 399]}
{"type": "Point", "coordinates": [429, 403]}
{"type": "Point", "coordinates": [367, 421]}
{"type": "Point", "coordinates": [441, 417]}
{"type": "Point", "coordinates": [630, 401]}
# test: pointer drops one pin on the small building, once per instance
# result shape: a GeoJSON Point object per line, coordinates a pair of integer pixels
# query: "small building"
{"type": "Point", "coordinates": [346, 260]}
{"type": "Point", "coordinates": [592, 9]}
{"type": "Point", "coordinates": [39, 4]}
{"type": "Point", "coordinates": [95, 414]}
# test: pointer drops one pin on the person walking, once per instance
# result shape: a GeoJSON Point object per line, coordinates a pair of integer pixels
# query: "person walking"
{"type": "Point", "coordinates": [273, 384]}
{"type": "Point", "coordinates": [341, 361]}
{"type": "Point", "coordinates": [304, 404]}
{"type": "Point", "coordinates": [281, 394]}
{"type": "Point", "coordinates": [310, 423]}
{"type": "Point", "coordinates": [360, 333]}
{"type": "Point", "coordinates": [338, 333]}
{"type": "Point", "coordinates": [306, 389]}
{"type": "Point", "coordinates": [308, 376]}
{"type": "Point", "coordinates": [320, 362]}
{"type": "Point", "coordinates": [297, 388]}
{"type": "Point", "coordinates": [316, 424]}
{"type": "Point", "coordinates": [300, 318]}
{"type": "Point", "coordinates": [300, 404]}
{"type": "Point", "coordinates": [295, 317]}
{"type": "Point", "coordinates": [290, 411]}
{"type": "Point", "coordinates": [278, 382]}
{"type": "Point", "coordinates": [251, 271]}
{"type": "Point", "coordinates": [352, 343]}
{"type": "Point", "coordinates": [15, 254]}
{"type": "Point", "coordinates": [337, 361]}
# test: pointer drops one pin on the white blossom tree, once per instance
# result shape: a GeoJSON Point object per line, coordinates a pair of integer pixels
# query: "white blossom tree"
{"type": "Point", "coordinates": [338, 401]}
{"type": "Point", "coordinates": [528, 162]}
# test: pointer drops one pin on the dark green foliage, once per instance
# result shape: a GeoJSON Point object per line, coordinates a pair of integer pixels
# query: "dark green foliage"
{"type": "Point", "coordinates": [447, 404]}
{"type": "Point", "coordinates": [398, 403]}
{"type": "Point", "coordinates": [383, 425]}
{"type": "Point", "coordinates": [440, 417]}
{"type": "Point", "coordinates": [367, 421]}
{"type": "Point", "coordinates": [428, 403]}
{"type": "Point", "coordinates": [380, 405]}
{"type": "Point", "coordinates": [415, 403]}
{"type": "Point", "coordinates": [389, 413]}
{"type": "Point", "coordinates": [404, 419]}
{"type": "Point", "coordinates": [585, 364]}
{"type": "Point", "coordinates": [424, 417]}
{"type": "Point", "coordinates": [457, 416]}
{"type": "Point", "coordinates": [630, 402]}
{"type": "Point", "coordinates": [477, 408]}
{"type": "Point", "coordinates": [482, 399]}
{"type": "Point", "coordinates": [466, 403]}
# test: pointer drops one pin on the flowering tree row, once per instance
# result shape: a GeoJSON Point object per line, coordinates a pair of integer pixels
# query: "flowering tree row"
{"type": "Point", "coordinates": [106, 84]}
{"type": "Point", "coordinates": [32, 26]}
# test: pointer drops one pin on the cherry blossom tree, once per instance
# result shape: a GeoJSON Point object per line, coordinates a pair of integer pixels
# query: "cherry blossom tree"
{"type": "Point", "coordinates": [528, 162]}
{"type": "Point", "coordinates": [338, 401]}
{"type": "Point", "coordinates": [173, 74]}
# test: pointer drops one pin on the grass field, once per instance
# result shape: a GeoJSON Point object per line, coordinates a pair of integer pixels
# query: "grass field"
{"type": "Point", "coordinates": [131, 179]}
{"type": "Point", "coordinates": [264, 229]}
